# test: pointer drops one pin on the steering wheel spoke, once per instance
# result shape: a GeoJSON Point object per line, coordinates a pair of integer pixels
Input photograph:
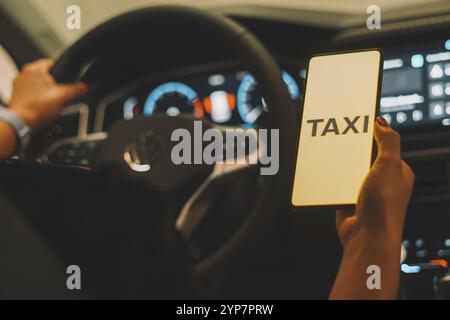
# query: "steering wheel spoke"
{"type": "Point", "coordinates": [73, 152]}
{"type": "Point", "coordinates": [240, 159]}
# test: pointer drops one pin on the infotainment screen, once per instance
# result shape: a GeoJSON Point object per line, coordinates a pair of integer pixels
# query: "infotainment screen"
{"type": "Point", "coordinates": [416, 87]}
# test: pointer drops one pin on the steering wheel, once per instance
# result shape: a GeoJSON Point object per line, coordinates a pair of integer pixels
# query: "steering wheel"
{"type": "Point", "coordinates": [143, 145]}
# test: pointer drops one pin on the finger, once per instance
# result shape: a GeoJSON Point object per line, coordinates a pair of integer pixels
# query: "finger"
{"type": "Point", "coordinates": [343, 214]}
{"type": "Point", "coordinates": [43, 65]}
{"type": "Point", "coordinates": [73, 91]}
{"type": "Point", "coordinates": [387, 139]}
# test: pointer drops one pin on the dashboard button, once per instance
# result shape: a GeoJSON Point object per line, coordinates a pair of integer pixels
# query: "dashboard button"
{"type": "Point", "coordinates": [420, 243]}
{"type": "Point", "coordinates": [421, 253]}
{"type": "Point", "coordinates": [73, 153]}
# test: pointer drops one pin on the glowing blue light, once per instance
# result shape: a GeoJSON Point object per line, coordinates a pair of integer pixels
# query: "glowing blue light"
{"type": "Point", "coordinates": [417, 61]}
{"type": "Point", "coordinates": [247, 112]}
{"type": "Point", "coordinates": [167, 88]}
{"type": "Point", "coordinates": [410, 269]}
{"type": "Point", "coordinates": [128, 108]}
{"type": "Point", "coordinates": [447, 44]}
{"type": "Point", "coordinates": [293, 88]}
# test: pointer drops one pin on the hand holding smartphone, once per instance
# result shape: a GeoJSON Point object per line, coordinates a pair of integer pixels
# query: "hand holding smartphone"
{"type": "Point", "coordinates": [335, 148]}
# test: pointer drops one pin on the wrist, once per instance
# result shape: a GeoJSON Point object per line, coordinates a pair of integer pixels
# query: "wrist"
{"type": "Point", "coordinates": [25, 115]}
{"type": "Point", "coordinates": [367, 250]}
{"type": "Point", "coordinates": [8, 143]}
{"type": "Point", "coordinates": [17, 136]}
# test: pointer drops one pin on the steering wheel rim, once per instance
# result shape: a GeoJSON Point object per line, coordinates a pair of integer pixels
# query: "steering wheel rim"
{"type": "Point", "coordinates": [274, 194]}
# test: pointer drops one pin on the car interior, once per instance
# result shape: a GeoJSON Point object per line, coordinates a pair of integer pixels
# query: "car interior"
{"type": "Point", "coordinates": [159, 64]}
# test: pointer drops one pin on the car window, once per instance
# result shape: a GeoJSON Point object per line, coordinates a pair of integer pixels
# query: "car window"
{"type": "Point", "coordinates": [8, 71]}
{"type": "Point", "coordinates": [93, 13]}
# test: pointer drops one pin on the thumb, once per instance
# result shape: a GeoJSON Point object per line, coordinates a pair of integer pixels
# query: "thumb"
{"type": "Point", "coordinates": [387, 139]}
{"type": "Point", "coordinates": [73, 91]}
{"type": "Point", "coordinates": [343, 214]}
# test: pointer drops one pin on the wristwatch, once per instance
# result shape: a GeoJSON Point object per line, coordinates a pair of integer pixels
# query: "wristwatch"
{"type": "Point", "coordinates": [23, 132]}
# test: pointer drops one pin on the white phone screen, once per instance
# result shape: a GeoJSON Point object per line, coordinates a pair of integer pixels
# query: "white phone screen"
{"type": "Point", "coordinates": [336, 137]}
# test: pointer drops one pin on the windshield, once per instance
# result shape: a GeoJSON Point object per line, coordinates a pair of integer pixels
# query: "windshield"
{"type": "Point", "coordinates": [94, 12]}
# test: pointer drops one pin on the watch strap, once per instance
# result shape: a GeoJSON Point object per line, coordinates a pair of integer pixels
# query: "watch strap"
{"type": "Point", "coordinates": [22, 130]}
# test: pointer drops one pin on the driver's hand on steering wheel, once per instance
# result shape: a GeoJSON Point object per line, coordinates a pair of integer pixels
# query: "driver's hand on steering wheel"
{"type": "Point", "coordinates": [36, 96]}
{"type": "Point", "coordinates": [371, 234]}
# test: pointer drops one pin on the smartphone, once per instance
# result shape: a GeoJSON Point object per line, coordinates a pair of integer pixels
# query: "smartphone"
{"type": "Point", "coordinates": [335, 145]}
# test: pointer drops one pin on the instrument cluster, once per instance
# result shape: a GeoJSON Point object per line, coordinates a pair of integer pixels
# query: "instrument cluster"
{"type": "Point", "coordinates": [227, 97]}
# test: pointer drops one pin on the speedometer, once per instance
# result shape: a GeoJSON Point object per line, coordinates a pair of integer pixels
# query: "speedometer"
{"type": "Point", "coordinates": [250, 102]}
{"type": "Point", "coordinates": [173, 98]}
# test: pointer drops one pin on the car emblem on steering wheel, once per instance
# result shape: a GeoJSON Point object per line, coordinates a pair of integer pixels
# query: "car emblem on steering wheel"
{"type": "Point", "coordinates": [142, 151]}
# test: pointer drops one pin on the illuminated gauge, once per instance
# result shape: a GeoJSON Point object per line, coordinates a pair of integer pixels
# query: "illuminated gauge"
{"type": "Point", "coordinates": [220, 106]}
{"type": "Point", "coordinates": [173, 99]}
{"type": "Point", "coordinates": [131, 109]}
{"type": "Point", "coordinates": [250, 103]}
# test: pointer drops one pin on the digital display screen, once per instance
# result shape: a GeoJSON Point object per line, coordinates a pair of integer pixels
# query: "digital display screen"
{"type": "Point", "coordinates": [416, 88]}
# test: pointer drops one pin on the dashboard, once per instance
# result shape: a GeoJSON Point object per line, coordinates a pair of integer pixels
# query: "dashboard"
{"type": "Point", "coordinates": [415, 92]}
{"type": "Point", "coordinates": [224, 95]}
